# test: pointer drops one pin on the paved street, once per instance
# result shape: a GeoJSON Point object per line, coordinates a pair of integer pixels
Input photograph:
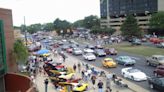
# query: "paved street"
{"type": "Point", "coordinates": [69, 62]}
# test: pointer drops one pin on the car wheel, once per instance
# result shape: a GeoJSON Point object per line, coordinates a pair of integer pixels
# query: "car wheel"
{"type": "Point", "coordinates": [155, 74]}
{"type": "Point", "coordinates": [151, 86]}
{"type": "Point", "coordinates": [123, 74]}
{"type": "Point", "coordinates": [124, 64]}
{"type": "Point", "coordinates": [132, 77]}
{"type": "Point", "coordinates": [148, 63]}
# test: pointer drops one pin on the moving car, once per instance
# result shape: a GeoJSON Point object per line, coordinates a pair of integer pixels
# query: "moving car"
{"type": "Point", "coordinates": [155, 60]}
{"type": "Point", "coordinates": [160, 45]}
{"type": "Point", "coordinates": [156, 83]}
{"type": "Point", "coordinates": [89, 56]}
{"type": "Point", "coordinates": [125, 60]}
{"type": "Point", "coordinates": [79, 87]}
{"type": "Point", "coordinates": [77, 51]}
{"type": "Point", "coordinates": [159, 71]}
{"type": "Point", "coordinates": [100, 52]}
{"type": "Point", "coordinates": [109, 62]}
{"type": "Point", "coordinates": [133, 74]}
{"type": "Point", "coordinates": [88, 50]}
{"type": "Point", "coordinates": [111, 51]}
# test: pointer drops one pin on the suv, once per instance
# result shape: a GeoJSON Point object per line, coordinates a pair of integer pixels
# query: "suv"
{"type": "Point", "coordinates": [155, 60]}
{"type": "Point", "coordinates": [159, 71]}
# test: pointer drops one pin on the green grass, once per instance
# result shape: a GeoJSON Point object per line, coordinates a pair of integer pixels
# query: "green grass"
{"type": "Point", "coordinates": [140, 50]}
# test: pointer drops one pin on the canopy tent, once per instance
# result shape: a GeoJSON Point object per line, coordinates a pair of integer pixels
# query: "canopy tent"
{"type": "Point", "coordinates": [42, 51]}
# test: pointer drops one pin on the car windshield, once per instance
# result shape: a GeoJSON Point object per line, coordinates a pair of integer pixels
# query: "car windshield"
{"type": "Point", "coordinates": [161, 59]}
{"type": "Point", "coordinates": [133, 70]}
{"type": "Point", "coordinates": [89, 54]}
{"type": "Point", "coordinates": [126, 58]}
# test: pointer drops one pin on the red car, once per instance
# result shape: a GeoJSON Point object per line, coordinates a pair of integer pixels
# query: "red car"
{"type": "Point", "coordinates": [159, 71]}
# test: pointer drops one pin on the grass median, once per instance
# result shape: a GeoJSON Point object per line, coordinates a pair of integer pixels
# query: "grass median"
{"type": "Point", "coordinates": [140, 50]}
{"type": "Point", "coordinates": [127, 47]}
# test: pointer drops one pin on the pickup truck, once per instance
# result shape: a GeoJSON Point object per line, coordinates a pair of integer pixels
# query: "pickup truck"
{"type": "Point", "coordinates": [155, 60]}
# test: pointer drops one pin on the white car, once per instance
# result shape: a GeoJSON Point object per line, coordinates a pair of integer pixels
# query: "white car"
{"type": "Point", "coordinates": [89, 56]}
{"type": "Point", "coordinates": [134, 74]}
{"type": "Point", "coordinates": [77, 51]}
{"type": "Point", "coordinates": [88, 50]}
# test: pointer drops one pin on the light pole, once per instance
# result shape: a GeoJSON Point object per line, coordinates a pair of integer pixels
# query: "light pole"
{"type": "Point", "coordinates": [46, 83]}
{"type": "Point", "coordinates": [25, 31]}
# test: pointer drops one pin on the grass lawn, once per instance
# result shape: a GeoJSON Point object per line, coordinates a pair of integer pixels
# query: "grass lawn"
{"type": "Point", "coordinates": [140, 50]}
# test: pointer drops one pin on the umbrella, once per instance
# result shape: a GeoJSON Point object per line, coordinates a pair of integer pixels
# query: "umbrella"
{"type": "Point", "coordinates": [42, 51]}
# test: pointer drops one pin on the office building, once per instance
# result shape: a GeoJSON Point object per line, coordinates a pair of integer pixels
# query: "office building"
{"type": "Point", "coordinates": [113, 12]}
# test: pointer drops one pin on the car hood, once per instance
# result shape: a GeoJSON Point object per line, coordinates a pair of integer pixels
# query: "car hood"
{"type": "Point", "coordinates": [139, 75]}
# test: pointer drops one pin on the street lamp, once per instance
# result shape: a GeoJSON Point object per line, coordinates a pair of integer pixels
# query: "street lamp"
{"type": "Point", "coordinates": [46, 83]}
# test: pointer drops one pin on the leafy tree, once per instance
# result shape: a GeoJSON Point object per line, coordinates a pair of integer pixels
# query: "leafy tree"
{"type": "Point", "coordinates": [48, 27]}
{"type": "Point", "coordinates": [34, 28]}
{"type": "Point", "coordinates": [156, 23]}
{"type": "Point", "coordinates": [20, 51]}
{"type": "Point", "coordinates": [130, 27]}
{"type": "Point", "coordinates": [105, 31]}
{"type": "Point", "coordinates": [91, 21]}
{"type": "Point", "coordinates": [78, 23]}
{"type": "Point", "coordinates": [61, 25]}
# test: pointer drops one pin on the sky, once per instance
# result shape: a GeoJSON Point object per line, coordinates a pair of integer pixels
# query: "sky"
{"type": "Point", "coordinates": [44, 11]}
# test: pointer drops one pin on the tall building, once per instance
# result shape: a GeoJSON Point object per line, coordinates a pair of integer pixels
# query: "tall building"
{"type": "Point", "coordinates": [113, 12]}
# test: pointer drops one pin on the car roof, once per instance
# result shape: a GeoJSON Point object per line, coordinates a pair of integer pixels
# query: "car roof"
{"type": "Point", "coordinates": [158, 56]}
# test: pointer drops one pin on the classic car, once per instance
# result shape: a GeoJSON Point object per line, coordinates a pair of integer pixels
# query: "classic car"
{"type": "Point", "coordinates": [88, 50]}
{"type": "Point", "coordinates": [133, 74]}
{"type": "Point", "coordinates": [156, 83]}
{"type": "Point", "coordinates": [155, 60]}
{"type": "Point", "coordinates": [79, 87]}
{"type": "Point", "coordinates": [125, 60]}
{"type": "Point", "coordinates": [109, 62]}
{"type": "Point", "coordinates": [159, 71]}
{"type": "Point", "coordinates": [111, 51]}
{"type": "Point", "coordinates": [77, 51]}
{"type": "Point", "coordinates": [89, 56]}
{"type": "Point", "coordinates": [100, 52]}
{"type": "Point", "coordinates": [67, 76]}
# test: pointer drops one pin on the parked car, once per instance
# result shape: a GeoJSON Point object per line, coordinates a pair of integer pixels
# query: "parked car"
{"type": "Point", "coordinates": [160, 45]}
{"type": "Point", "coordinates": [69, 50]}
{"type": "Point", "coordinates": [79, 87]}
{"type": "Point", "coordinates": [144, 40]}
{"type": "Point", "coordinates": [156, 83]}
{"type": "Point", "coordinates": [109, 62]}
{"type": "Point", "coordinates": [133, 74]}
{"type": "Point", "coordinates": [111, 51]}
{"type": "Point", "coordinates": [66, 76]}
{"type": "Point", "coordinates": [159, 71]}
{"type": "Point", "coordinates": [77, 51]}
{"type": "Point", "coordinates": [99, 46]}
{"type": "Point", "coordinates": [88, 50]}
{"type": "Point", "coordinates": [89, 56]}
{"type": "Point", "coordinates": [136, 42]}
{"type": "Point", "coordinates": [64, 47]}
{"type": "Point", "coordinates": [155, 60]}
{"type": "Point", "coordinates": [100, 52]}
{"type": "Point", "coordinates": [90, 46]}
{"type": "Point", "coordinates": [125, 60]}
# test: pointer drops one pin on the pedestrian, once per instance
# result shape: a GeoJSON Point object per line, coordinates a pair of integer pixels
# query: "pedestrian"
{"type": "Point", "coordinates": [79, 67]}
{"type": "Point", "coordinates": [82, 74]}
{"type": "Point", "coordinates": [74, 67]}
{"type": "Point", "coordinates": [93, 79]}
{"type": "Point", "coordinates": [100, 86]}
{"type": "Point", "coordinates": [64, 57]}
{"type": "Point", "coordinates": [108, 87]}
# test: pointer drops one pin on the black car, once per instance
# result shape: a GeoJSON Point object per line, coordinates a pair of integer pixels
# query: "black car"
{"type": "Point", "coordinates": [156, 83]}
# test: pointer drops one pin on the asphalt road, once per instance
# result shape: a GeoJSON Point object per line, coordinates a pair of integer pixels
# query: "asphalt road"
{"type": "Point", "coordinates": [140, 64]}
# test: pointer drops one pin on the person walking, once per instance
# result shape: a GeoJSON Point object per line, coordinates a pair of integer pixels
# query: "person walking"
{"type": "Point", "coordinates": [100, 86]}
{"type": "Point", "coordinates": [79, 67]}
{"type": "Point", "coordinates": [93, 79]}
{"type": "Point", "coordinates": [74, 67]}
{"type": "Point", "coordinates": [108, 85]}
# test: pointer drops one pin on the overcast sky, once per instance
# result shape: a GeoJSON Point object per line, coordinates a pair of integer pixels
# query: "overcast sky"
{"type": "Point", "coordinates": [43, 11]}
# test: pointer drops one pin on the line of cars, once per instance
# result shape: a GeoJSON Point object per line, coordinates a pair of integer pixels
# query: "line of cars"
{"type": "Point", "coordinates": [91, 52]}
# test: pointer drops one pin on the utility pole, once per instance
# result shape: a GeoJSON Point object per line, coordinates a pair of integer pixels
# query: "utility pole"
{"type": "Point", "coordinates": [25, 31]}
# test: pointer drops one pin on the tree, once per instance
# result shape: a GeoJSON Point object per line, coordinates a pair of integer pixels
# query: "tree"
{"type": "Point", "coordinates": [91, 21]}
{"type": "Point", "coordinates": [105, 31]}
{"type": "Point", "coordinates": [130, 27]}
{"type": "Point", "coordinates": [48, 27]}
{"type": "Point", "coordinates": [34, 28]}
{"type": "Point", "coordinates": [78, 23]}
{"type": "Point", "coordinates": [156, 23]}
{"type": "Point", "coordinates": [20, 51]}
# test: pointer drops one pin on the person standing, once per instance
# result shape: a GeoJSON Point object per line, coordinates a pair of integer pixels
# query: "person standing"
{"type": "Point", "coordinates": [100, 86]}
{"type": "Point", "coordinates": [79, 67]}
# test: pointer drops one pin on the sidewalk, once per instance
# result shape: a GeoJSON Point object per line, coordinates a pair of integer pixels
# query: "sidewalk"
{"type": "Point", "coordinates": [70, 61]}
